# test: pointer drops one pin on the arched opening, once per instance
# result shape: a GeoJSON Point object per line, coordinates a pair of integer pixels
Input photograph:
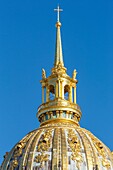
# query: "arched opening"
{"type": "Point", "coordinates": [44, 99]}
{"type": "Point", "coordinates": [51, 92]}
{"type": "Point", "coordinates": [66, 92]}
{"type": "Point", "coordinates": [73, 97]}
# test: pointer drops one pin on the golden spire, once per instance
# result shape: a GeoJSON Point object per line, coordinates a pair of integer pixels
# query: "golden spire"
{"type": "Point", "coordinates": [59, 89]}
{"type": "Point", "coordinates": [58, 51]}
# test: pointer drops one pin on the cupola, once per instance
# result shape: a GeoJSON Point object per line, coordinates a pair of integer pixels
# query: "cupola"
{"type": "Point", "coordinates": [59, 89]}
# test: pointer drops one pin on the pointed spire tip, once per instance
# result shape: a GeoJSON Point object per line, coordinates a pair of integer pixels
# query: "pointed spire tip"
{"type": "Point", "coordinates": [58, 52]}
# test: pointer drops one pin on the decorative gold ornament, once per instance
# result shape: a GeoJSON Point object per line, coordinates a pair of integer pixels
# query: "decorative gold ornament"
{"type": "Point", "coordinates": [43, 146]}
{"type": "Point", "coordinates": [43, 74]}
{"type": "Point", "coordinates": [74, 74]}
{"type": "Point", "coordinates": [14, 164]}
{"type": "Point", "coordinates": [18, 151]}
{"type": "Point", "coordinates": [44, 143]}
{"type": "Point", "coordinates": [101, 151]}
{"type": "Point", "coordinates": [41, 158]}
{"type": "Point", "coordinates": [75, 146]}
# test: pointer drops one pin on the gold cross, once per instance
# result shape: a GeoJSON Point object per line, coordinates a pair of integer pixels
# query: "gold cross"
{"type": "Point", "coordinates": [58, 10]}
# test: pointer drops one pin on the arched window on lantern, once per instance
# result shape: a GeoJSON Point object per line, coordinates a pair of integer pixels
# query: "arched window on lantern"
{"type": "Point", "coordinates": [73, 97]}
{"type": "Point", "coordinates": [44, 100]}
{"type": "Point", "coordinates": [51, 92]}
{"type": "Point", "coordinates": [66, 92]}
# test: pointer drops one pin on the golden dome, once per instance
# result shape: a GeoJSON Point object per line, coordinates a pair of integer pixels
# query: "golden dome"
{"type": "Point", "coordinates": [59, 142]}
{"type": "Point", "coordinates": [59, 145]}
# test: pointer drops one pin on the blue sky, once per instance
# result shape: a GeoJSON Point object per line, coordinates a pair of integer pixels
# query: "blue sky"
{"type": "Point", "coordinates": [27, 44]}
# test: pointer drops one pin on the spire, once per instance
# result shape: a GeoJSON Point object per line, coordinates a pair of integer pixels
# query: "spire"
{"type": "Point", "coordinates": [58, 51]}
{"type": "Point", "coordinates": [59, 89]}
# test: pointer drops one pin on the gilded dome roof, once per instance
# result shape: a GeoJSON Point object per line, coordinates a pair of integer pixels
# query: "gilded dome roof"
{"type": "Point", "coordinates": [59, 146]}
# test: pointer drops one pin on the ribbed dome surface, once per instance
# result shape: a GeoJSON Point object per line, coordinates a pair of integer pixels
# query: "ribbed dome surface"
{"type": "Point", "coordinates": [59, 146]}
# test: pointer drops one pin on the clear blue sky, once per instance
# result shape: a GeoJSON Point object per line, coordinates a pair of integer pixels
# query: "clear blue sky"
{"type": "Point", "coordinates": [27, 44]}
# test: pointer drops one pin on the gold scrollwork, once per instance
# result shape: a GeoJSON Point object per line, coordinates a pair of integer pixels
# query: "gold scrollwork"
{"type": "Point", "coordinates": [60, 124]}
{"type": "Point", "coordinates": [43, 146]}
{"type": "Point", "coordinates": [18, 149]}
{"type": "Point", "coordinates": [59, 69]}
{"type": "Point", "coordinates": [18, 152]}
{"type": "Point", "coordinates": [41, 158]}
{"type": "Point", "coordinates": [75, 146]}
{"type": "Point", "coordinates": [101, 151]}
{"type": "Point", "coordinates": [14, 164]}
{"type": "Point", "coordinates": [44, 143]}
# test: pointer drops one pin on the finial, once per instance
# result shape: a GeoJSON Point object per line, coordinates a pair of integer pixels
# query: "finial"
{"type": "Point", "coordinates": [43, 74]}
{"type": "Point", "coordinates": [58, 51]}
{"type": "Point", "coordinates": [74, 74]}
{"type": "Point", "coordinates": [58, 10]}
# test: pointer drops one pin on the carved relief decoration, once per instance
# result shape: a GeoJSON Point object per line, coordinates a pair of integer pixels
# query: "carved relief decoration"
{"type": "Point", "coordinates": [43, 147]}
{"type": "Point", "coordinates": [14, 164]}
{"type": "Point", "coordinates": [60, 124]}
{"type": "Point", "coordinates": [41, 158]}
{"type": "Point", "coordinates": [74, 74]}
{"type": "Point", "coordinates": [75, 146]}
{"type": "Point", "coordinates": [101, 151]}
{"type": "Point", "coordinates": [43, 74]}
{"type": "Point", "coordinates": [18, 152]}
{"type": "Point", "coordinates": [59, 69]}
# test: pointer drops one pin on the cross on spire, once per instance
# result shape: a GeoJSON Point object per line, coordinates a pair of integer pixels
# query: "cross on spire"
{"type": "Point", "coordinates": [58, 10]}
